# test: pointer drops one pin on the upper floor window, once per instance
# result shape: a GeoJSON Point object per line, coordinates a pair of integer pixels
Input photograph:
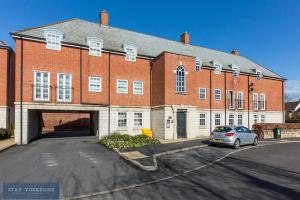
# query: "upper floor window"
{"type": "Point", "coordinates": [64, 87]}
{"type": "Point", "coordinates": [231, 99]}
{"type": "Point", "coordinates": [131, 53]}
{"type": "Point", "coordinates": [259, 75]}
{"type": "Point", "coordinates": [236, 70]}
{"type": "Point", "coordinates": [138, 87]}
{"type": "Point", "coordinates": [94, 84]}
{"type": "Point", "coordinates": [218, 67]}
{"type": "Point", "coordinates": [198, 64]}
{"type": "Point", "coordinates": [240, 100]}
{"type": "Point", "coordinates": [255, 101]}
{"type": "Point", "coordinates": [180, 79]}
{"type": "Point", "coordinates": [217, 94]}
{"type": "Point", "coordinates": [122, 86]}
{"type": "Point", "coordinates": [53, 39]}
{"type": "Point", "coordinates": [95, 46]}
{"type": "Point", "coordinates": [262, 101]}
{"type": "Point", "coordinates": [41, 86]}
{"type": "Point", "coordinates": [202, 93]}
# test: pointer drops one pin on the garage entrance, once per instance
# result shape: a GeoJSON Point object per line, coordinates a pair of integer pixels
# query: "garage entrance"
{"type": "Point", "coordinates": [49, 124]}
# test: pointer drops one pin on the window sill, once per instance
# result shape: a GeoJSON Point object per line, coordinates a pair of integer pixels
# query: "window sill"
{"type": "Point", "coordinates": [182, 93]}
{"type": "Point", "coordinates": [122, 128]}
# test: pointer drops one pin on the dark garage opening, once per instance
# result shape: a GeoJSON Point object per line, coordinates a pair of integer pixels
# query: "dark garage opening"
{"type": "Point", "coordinates": [65, 124]}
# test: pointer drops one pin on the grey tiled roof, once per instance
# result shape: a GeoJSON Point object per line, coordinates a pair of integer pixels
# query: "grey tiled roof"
{"type": "Point", "coordinates": [76, 31]}
{"type": "Point", "coordinates": [3, 44]}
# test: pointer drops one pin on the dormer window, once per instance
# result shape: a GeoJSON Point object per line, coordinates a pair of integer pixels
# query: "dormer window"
{"type": "Point", "coordinates": [236, 70]}
{"type": "Point", "coordinates": [198, 64]}
{"type": "Point", "coordinates": [259, 75]}
{"type": "Point", "coordinates": [131, 53]}
{"type": "Point", "coordinates": [95, 46]}
{"type": "Point", "coordinates": [218, 67]}
{"type": "Point", "coordinates": [53, 39]}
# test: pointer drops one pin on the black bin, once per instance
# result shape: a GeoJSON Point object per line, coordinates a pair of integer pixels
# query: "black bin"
{"type": "Point", "coordinates": [277, 133]}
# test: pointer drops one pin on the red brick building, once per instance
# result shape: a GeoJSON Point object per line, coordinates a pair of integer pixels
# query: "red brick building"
{"type": "Point", "coordinates": [127, 80]}
{"type": "Point", "coordinates": [7, 59]}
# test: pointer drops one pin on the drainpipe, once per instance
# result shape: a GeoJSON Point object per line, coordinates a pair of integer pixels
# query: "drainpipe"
{"type": "Point", "coordinates": [8, 95]}
{"type": "Point", "coordinates": [283, 105]}
{"type": "Point", "coordinates": [225, 99]}
{"type": "Point", "coordinates": [248, 102]}
{"type": "Point", "coordinates": [21, 93]}
{"type": "Point", "coordinates": [210, 111]}
{"type": "Point", "coordinates": [109, 103]}
{"type": "Point", "coordinates": [174, 127]}
{"type": "Point", "coordinates": [80, 76]}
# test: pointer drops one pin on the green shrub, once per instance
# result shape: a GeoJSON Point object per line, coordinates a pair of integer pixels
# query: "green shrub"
{"type": "Point", "coordinates": [123, 141]}
{"type": "Point", "coordinates": [3, 134]}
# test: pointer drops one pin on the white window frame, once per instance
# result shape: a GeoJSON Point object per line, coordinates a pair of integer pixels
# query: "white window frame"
{"type": "Point", "coordinates": [64, 89]}
{"type": "Point", "coordinates": [263, 119]}
{"type": "Point", "coordinates": [220, 95]}
{"type": "Point", "coordinates": [95, 46]}
{"type": "Point", "coordinates": [202, 92]}
{"type": "Point", "coordinates": [240, 120]}
{"type": "Point", "coordinates": [255, 101]}
{"type": "Point", "coordinates": [259, 75]}
{"type": "Point", "coordinates": [217, 67]}
{"type": "Point", "coordinates": [202, 118]}
{"type": "Point", "coordinates": [236, 70]}
{"type": "Point", "coordinates": [136, 89]}
{"type": "Point", "coordinates": [91, 88]}
{"type": "Point", "coordinates": [139, 118]}
{"type": "Point", "coordinates": [198, 64]}
{"type": "Point", "coordinates": [219, 118]}
{"type": "Point", "coordinates": [42, 86]}
{"type": "Point", "coordinates": [231, 119]}
{"type": "Point", "coordinates": [126, 119]}
{"type": "Point", "coordinates": [231, 97]}
{"type": "Point", "coordinates": [131, 53]}
{"type": "Point", "coordinates": [255, 119]}
{"type": "Point", "coordinates": [53, 39]}
{"type": "Point", "coordinates": [240, 99]}
{"type": "Point", "coordinates": [180, 79]}
{"type": "Point", "coordinates": [118, 85]}
{"type": "Point", "coordinates": [262, 101]}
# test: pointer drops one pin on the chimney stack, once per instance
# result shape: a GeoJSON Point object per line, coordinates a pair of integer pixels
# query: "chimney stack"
{"type": "Point", "coordinates": [104, 18]}
{"type": "Point", "coordinates": [185, 38]}
{"type": "Point", "coordinates": [235, 52]}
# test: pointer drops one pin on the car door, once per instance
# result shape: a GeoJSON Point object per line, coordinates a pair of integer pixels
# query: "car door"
{"type": "Point", "coordinates": [241, 135]}
{"type": "Point", "coordinates": [248, 135]}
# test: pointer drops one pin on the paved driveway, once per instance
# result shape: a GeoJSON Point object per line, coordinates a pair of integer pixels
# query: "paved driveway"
{"type": "Point", "coordinates": [79, 164]}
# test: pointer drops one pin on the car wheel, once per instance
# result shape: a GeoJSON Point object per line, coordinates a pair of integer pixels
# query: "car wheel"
{"type": "Point", "coordinates": [255, 142]}
{"type": "Point", "coordinates": [236, 144]}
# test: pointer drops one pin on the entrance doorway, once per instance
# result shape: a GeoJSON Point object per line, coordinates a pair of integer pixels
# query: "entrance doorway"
{"type": "Point", "coordinates": [181, 124]}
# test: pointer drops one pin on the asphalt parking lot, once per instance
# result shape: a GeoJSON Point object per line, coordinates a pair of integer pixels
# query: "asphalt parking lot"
{"type": "Point", "coordinates": [87, 170]}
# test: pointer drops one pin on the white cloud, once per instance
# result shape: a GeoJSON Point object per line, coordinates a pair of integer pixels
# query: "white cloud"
{"type": "Point", "coordinates": [292, 89]}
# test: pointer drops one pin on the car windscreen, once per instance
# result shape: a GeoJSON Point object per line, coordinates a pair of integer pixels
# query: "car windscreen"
{"type": "Point", "coordinates": [222, 129]}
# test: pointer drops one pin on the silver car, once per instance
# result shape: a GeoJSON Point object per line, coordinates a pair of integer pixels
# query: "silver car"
{"type": "Point", "coordinates": [234, 136]}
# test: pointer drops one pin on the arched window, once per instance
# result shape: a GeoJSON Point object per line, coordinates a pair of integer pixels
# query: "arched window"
{"type": "Point", "coordinates": [180, 79]}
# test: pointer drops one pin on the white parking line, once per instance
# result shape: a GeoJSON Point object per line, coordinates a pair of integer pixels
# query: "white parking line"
{"type": "Point", "coordinates": [49, 160]}
{"type": "Point", "coordinates": [88, 157]}
{"type": "Point", "coordinates": [173, 176]}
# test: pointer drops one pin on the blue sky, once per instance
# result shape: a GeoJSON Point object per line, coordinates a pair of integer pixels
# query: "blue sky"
{"type": "Point", "coordinates": [267, 31]}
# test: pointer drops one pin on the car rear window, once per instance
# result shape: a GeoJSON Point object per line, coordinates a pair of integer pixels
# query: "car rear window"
{"type": "Point", "coordinates": [222, 129]}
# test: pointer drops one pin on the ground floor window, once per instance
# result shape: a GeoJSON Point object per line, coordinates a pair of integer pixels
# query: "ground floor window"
{"type": "Point", "coordinates": [263, 119]}
{"type": "Point", "coordinates": [217, 119]}
{"type": "Point", "coordinates": [231, 119]}
{"type": "Point", "coordinates": [122, 119]}
{"type": "Point", "coordinates": [138, 119]}
{"type": "Point", "coordinates": [240, 120]}
{"type": "Point", "coordinates": [255, 119]}
{"type": "Point", "coordinates": [202, 119]}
